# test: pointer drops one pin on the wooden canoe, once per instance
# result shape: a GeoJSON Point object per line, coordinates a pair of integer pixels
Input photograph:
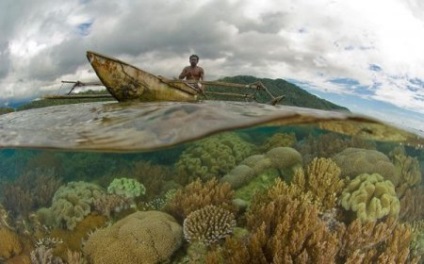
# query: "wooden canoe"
{"type": "Point", "coordinates": [126, 82]}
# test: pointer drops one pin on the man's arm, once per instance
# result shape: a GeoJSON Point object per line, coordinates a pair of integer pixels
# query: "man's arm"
{"type": "Point", "coordinates": [202, 75]}
{"type": "Point", "coordinates": [183, 74]}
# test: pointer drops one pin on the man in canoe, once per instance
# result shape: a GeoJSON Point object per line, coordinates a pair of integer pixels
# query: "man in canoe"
{"type": "Point", "coordinates": [193, 73]}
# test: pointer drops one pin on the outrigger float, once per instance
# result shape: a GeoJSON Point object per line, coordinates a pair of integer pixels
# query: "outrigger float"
{"type": "Point", "coordinates": [128, 83]}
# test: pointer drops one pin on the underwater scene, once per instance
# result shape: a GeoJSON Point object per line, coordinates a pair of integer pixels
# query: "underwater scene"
{"type": "Point", "coordinates": [286, 190]}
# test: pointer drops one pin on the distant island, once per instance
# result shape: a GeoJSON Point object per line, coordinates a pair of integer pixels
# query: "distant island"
{"type": "Point", "coordinates": [293, 95]}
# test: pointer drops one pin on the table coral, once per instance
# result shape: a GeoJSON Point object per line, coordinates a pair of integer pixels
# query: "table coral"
{"type": "Point", "coordinates": [212, 157]}
{"type": "Point", "coordinates": [208, 225]}
{"type": "Point", "coordinates": [371, 197]}
{"type": "Point", "coordinates": [142, 237]}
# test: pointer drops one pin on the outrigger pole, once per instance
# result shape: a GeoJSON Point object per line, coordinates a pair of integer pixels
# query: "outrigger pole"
{"type": "Point", "coordinates": [256, 85]}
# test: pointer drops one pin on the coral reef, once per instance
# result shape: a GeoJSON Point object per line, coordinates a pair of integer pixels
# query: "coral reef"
{"type": "Point", "coordinates": [278, 140]}
{"type": "Point", "coordinates": [371, 197]}
{"type": "Point", "coordinates": [283, 159]}
{"type": "Point", "coordinates": [73, 239]}
{"type": "Point", "coordinates": [30, 191]}
{"type": "Point", "coordinates": [43, 255]}
{"type": "Point", "coordinates": [197, 195]}
{"type": "Point", "coordinates": [208, 225]}
{"type": "Point", "coordinates": [126, 187]}
{"type": "Point", "coordinates": [321, 182]}
{"type": "Point", "coordinates": [10, 244]}
{"type": "Point", "coordinates": [407, 170]}
{"type": "Point", "coordinates": [153, 177]}
{"type": "Point", "coordinates": [142, 237]}
{"type": "Point", "coordinates": [212, 157]}
{"type": "Point", "coordinates": [109, 204]}
{"type": "Point", "coordinates": [285, 227]}
{"type": "Point", "coordinates": [71, 203]}
{"type": "Point", "coordinates": [354, 161]}
{"type": "Point", "coordinates": [412, 204]}
{"type": "Point", "coordinates": [328, 144]}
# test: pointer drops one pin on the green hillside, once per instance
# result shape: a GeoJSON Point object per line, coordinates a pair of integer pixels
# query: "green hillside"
{"type": "Point", "coordinates": [293, 95]}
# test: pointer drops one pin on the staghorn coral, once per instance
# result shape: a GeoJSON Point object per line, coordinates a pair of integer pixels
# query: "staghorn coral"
{"type": "Point", "coordinates": [321, 181]}
{"type": "Point", "coordinates": [126, 187]}
{"type": "Point", "coordinates": [371, 197]}
{"type": "Point", "coordinates": [212, 157]}
{"type": "Point", "coordinates": [197, 195]}
{"type": "Point", "coordinates": [142, 237]}
{"type": "Point", "coordinates": [71, 203]}
{"type": "Point", "coordinates": [283, 159]}
{"type": "Point", "coordinates": [208, 225]}
{"type": "Point", "coordinates": [354, 161]}
{"type": "Point", "coordinates": [10, 244]}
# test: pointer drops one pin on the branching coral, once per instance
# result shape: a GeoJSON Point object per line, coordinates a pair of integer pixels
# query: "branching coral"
{"type": "Point", "coordinates": [286, 229]}
{"type": "Point", "coordinates": [197, 195]}
{"type": "Point", "coordinates": [142, 237]}
{"type": "Point", "coordinates": [321, 181]}
{"type": "Point", "coordinates": [371, 197]}
{"type": "Point", "coordinates": [407, 170]}
{"type": "Point", "coordinates": [208, 225]}
{"type": "Point", "coordinates": [212, 157]}
{"type": "Point", "coordinates": [30, 191]}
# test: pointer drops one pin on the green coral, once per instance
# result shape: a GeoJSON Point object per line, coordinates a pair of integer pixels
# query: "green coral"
{"type": "Point", "coordinates": [355, 161]}
{"type": "Point", "coordinates": [212, 157]}
{"type": "Point", "coordinates": [281, 160]}
{"type": "Point", "coordinates": [126, 187]}
{"type": "Point", "coordinates": [371, 197]}
{"type": "Point", "coordinates": [71, 204]}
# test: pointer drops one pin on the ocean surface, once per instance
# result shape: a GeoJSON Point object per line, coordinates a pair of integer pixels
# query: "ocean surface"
{"type": "Point", "coordinates": [210, 182]}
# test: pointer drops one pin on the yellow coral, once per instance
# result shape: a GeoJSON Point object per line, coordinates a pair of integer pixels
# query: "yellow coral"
{"type": "Point", "coordinates": [142, 237]}
{"type": "Point", "coordinates": [9, 244]}
{"type": "Point", "coordinates": [371, 197]}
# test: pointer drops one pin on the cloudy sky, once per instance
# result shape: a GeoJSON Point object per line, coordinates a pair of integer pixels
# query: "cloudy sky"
{"type": "Point", "coordinates": [366, 55]}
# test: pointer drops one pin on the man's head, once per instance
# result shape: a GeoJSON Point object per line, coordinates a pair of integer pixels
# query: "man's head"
{"type": "Point", "coordinates": [194, 59]}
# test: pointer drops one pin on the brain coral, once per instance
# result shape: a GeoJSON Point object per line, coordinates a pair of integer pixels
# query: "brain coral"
{"type": "Point", "coordinates": [212, 157]}
{"type": "Point", "coordinates": [72, 202]}
{"type": "Point", "coordinates": [371, 197]}
{"type": "Point", "coordinates": [208, 225]}
{"type": "Point", "coordinates": [355, 161]}
{"type": "Point", "coordinates": [142, 237]}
